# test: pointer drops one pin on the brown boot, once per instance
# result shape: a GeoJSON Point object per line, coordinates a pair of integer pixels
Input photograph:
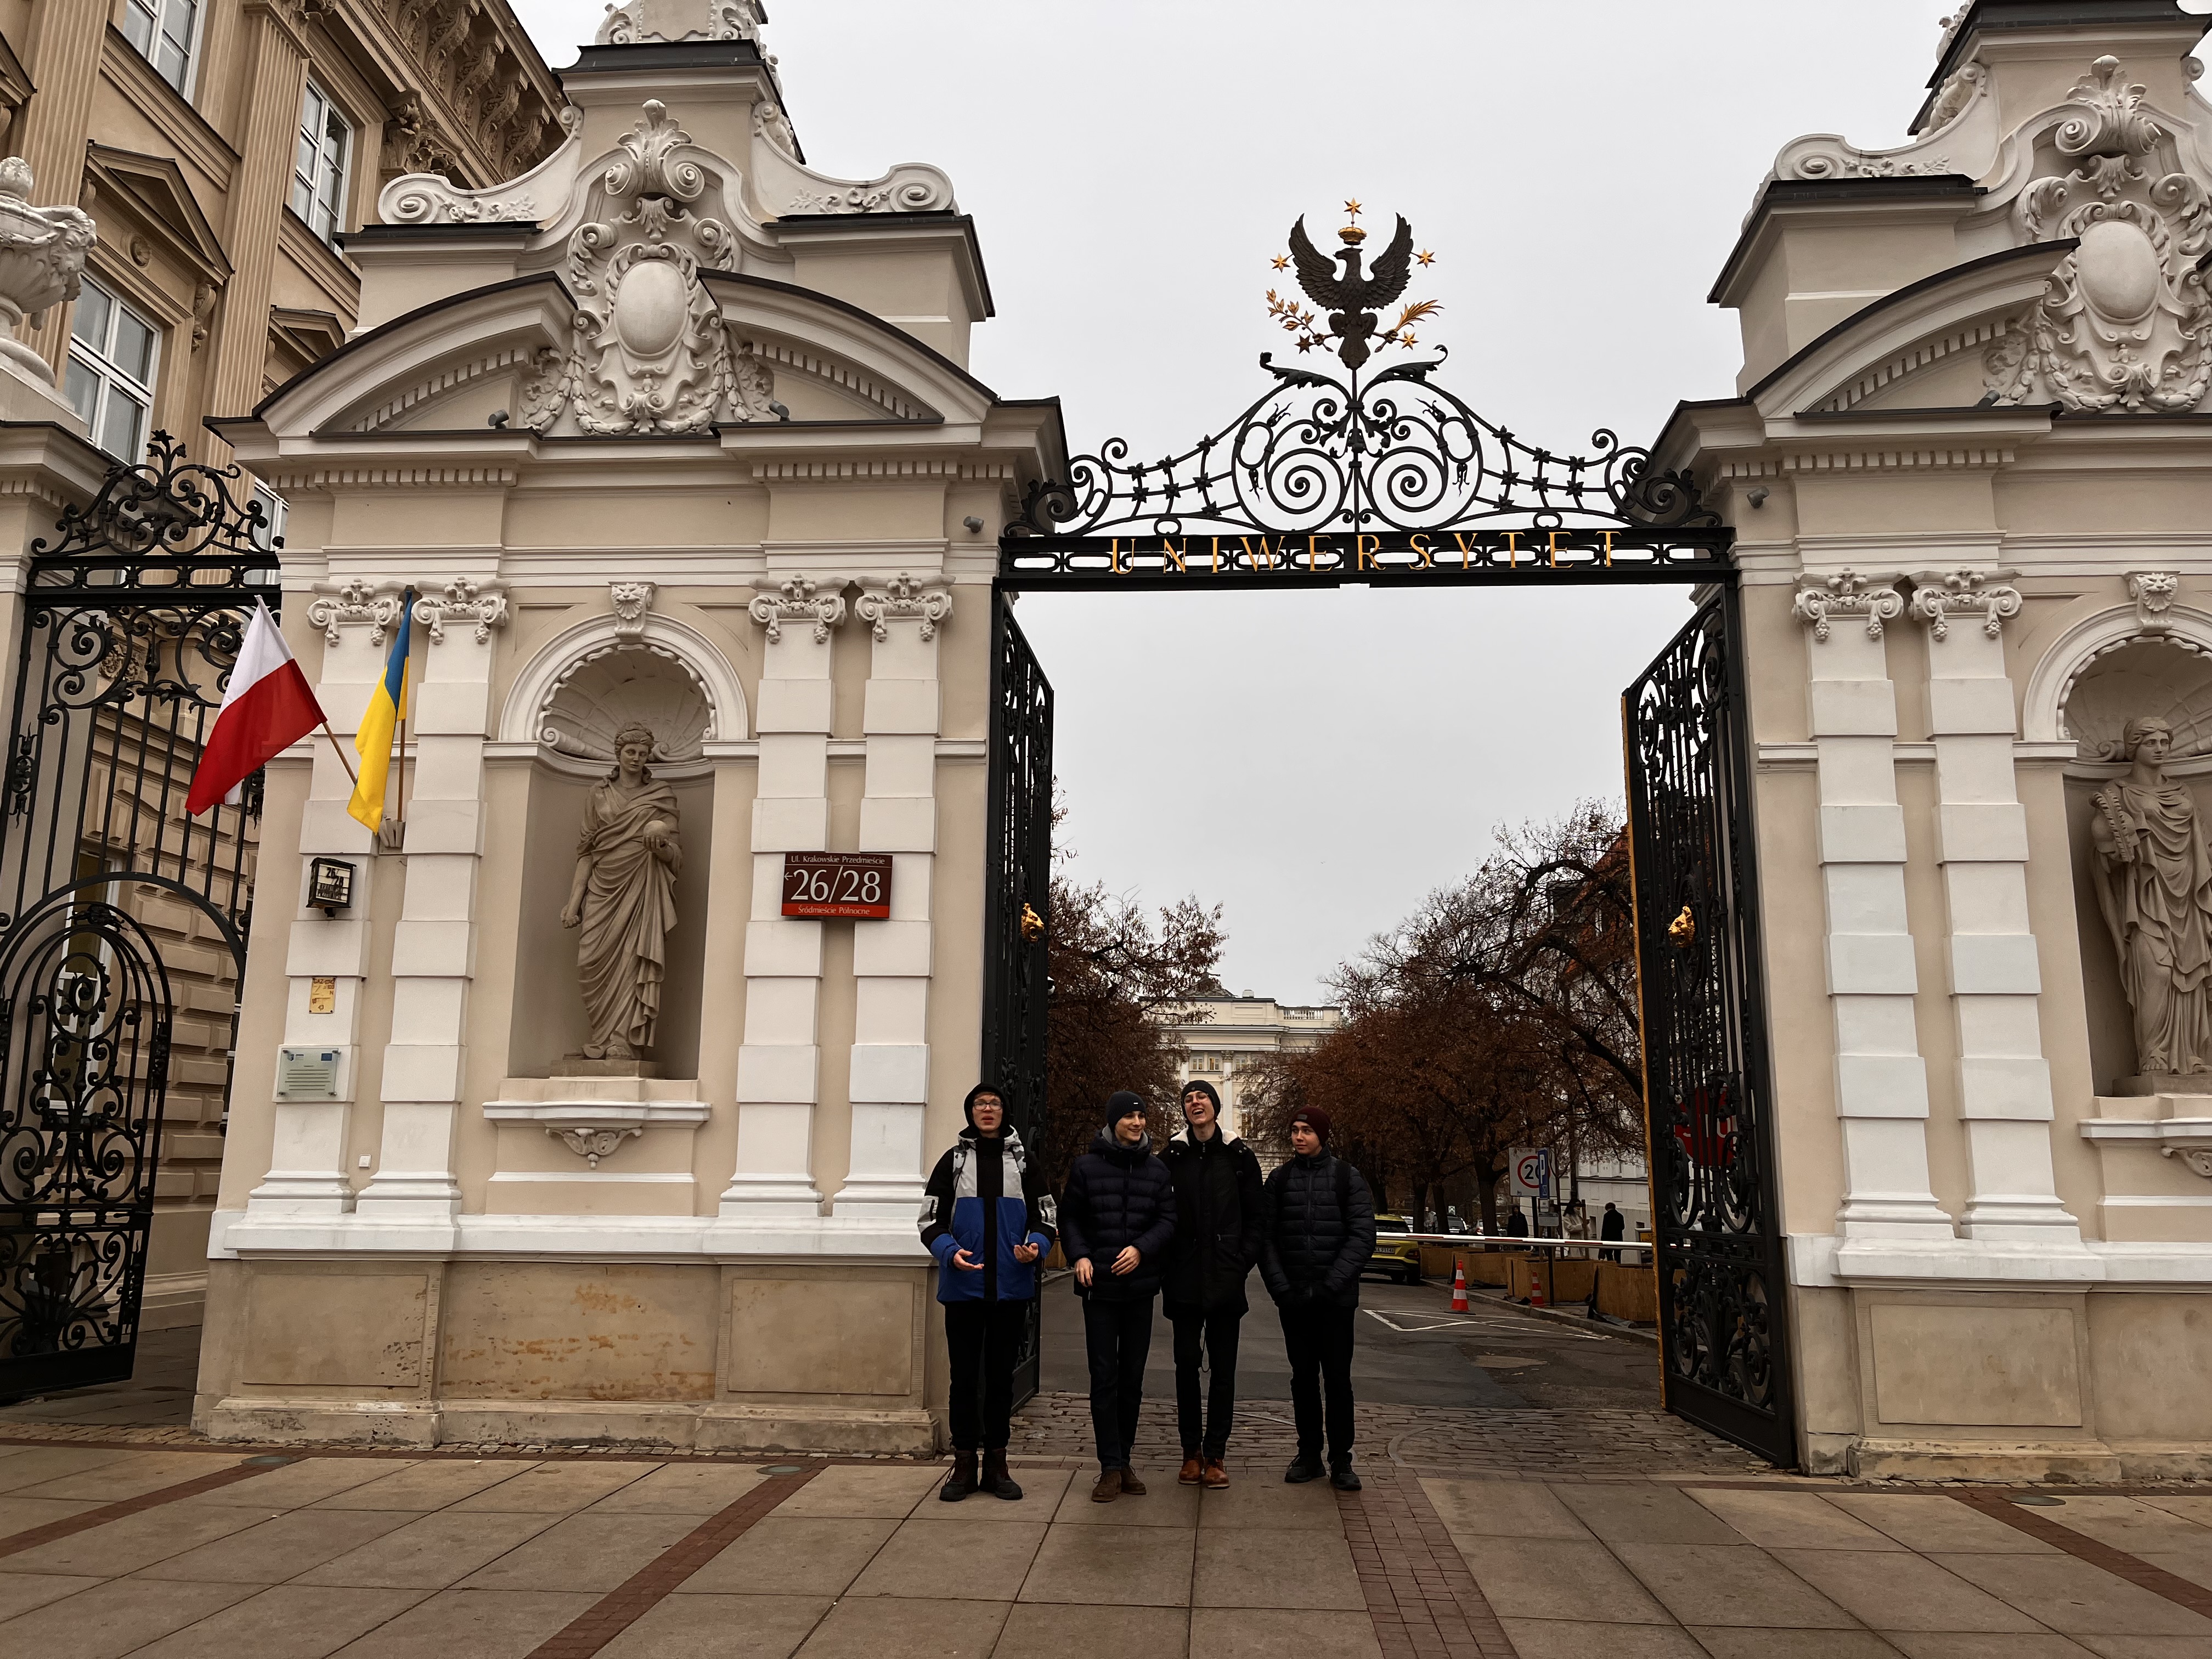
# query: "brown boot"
{"type": "Point", "coordinates": [1131, 1485]}
{"type": "Point", "coordinates": [995, 1479]}
{"type": "Point", "coordinates": [1215, 1477]}
{"type": "Point", "coordinates": [1193, 1467]}
{"type": "Point", "coordinates": [961, 1481]}
{"type": "Point", "coordinates": [1108, 1487]}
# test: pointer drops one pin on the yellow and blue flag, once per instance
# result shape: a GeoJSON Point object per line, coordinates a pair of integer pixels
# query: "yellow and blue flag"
{"type": "Point", "coordinates": [387, 706]}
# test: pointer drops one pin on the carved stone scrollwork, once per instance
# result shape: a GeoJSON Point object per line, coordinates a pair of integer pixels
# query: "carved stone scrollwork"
{"type": "Point", "coordinates": [798, 600]}
{"type": "Point", "coordinates": [593, 1144]}
{"type": "Point", "coordinates": [644, 21]}
{"type": "Point", "coordinates": [2199, 1158]}
{"type": "Point", "coordinates": [358, 601]}
{"type": "Point", "coordinates": [461, 600]}
{"type": "Point", "coordinates": [903, 599]}
{"type": "Point", "coordinates": [1846, 593]}
{"type": "Point", "coordinates": [2153, 592]}
{"type": "Point", "coordinates": [42, 252]}
{"type": "Point", "coordinates": [631, 601]}
{"type": "Point", "coordinates": [1937, 596]}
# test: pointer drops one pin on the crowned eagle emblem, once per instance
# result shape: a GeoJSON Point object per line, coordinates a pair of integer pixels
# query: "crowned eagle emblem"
{"type": "Point", "coordinates": [1352, 298]}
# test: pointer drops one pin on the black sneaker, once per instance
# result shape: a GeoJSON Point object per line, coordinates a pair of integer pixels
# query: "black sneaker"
{"type": "Point", "coordinates": [1303, 1468]}
{"type": "Point", "coordinates": [1341, 1477]}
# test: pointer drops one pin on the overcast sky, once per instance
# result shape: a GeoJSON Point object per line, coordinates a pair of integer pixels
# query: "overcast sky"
{"type": "Point", "coordinates": [1316, 763]}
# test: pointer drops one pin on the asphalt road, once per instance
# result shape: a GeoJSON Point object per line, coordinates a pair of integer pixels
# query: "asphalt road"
{"type": "Point", "coordinates": [1412, 1350]}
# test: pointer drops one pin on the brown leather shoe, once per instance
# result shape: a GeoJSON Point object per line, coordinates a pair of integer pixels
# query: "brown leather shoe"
{"type": "Point", "coordinates": [1131, 1485]}
{"type": "Point", "coordinates": [1215, 1476]}
{"type": "Point", "coordinates": [1193, 1468]}
{"type": "Point", "coordinates": [1108, 1487]}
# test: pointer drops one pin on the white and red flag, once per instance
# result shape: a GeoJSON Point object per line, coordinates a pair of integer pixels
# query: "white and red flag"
{"type": "Point", "coordinates": [267, 708]}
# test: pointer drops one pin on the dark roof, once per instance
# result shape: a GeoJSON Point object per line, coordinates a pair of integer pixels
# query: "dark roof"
{"type": "Point", "coordinates": [1996, 16]}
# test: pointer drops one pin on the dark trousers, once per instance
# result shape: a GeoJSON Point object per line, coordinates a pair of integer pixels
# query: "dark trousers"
{"type": "Point", "coordinates": [1317, 1337]}
{"type": "Point", "coordinates": [1205, 1428]}
{"type": "Point", "coordinates": [1117, 1335]}
{"type": "Point", "coordinates": [983, 1339]}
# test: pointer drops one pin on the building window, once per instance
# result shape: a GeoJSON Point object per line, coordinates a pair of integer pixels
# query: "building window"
{"type": "Point", "coordinates": [166, 33]}
{"type": "Point", "coordinates": [274, 510]}
{"type": "Point", "coordinates": [319, 166]}
{"type": "Point", "coordinates": [110, 371]}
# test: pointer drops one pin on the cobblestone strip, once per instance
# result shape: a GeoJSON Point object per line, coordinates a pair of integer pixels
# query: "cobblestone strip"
{"type": "Point", "coordinates": [15, 1543]}
{"type": "Point", "coordinates": [2117, 1562]}
{"type": "Point", "coordinates": [624, 1606]}
{"type": "Point", "coordinates": [1423, 1602]}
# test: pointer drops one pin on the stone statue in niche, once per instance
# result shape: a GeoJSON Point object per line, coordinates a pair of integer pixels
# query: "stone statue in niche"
{"type": "Point", "coordinates": [2153, 872]}
{"type": "Point", "coordinates": [624, 897]}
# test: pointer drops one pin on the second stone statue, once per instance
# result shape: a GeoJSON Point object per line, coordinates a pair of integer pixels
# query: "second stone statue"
{"type": "Point", "coordinates": [624, 897]}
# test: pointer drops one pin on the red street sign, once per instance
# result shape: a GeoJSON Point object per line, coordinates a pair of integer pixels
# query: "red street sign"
{"type": "Point", "coordinates": [837, 886]}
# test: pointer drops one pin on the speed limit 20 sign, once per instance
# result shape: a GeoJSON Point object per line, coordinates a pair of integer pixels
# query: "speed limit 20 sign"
{"type": "Point", "coordinates": [837, 886]}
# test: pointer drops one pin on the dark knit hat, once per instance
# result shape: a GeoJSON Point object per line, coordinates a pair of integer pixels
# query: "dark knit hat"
{"type": "Point", "coordinates": [976, 1093]}
{"type": "Point", "coordinates": [1199, 1085]}
{"type": "Point", "coordinates": [1120, 1104]}
{"type": "Point", "coordinates": [1315, 1119]}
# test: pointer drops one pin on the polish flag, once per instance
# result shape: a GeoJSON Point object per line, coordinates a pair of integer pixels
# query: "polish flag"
{"type": "Point", "coordinates": [267, 708]}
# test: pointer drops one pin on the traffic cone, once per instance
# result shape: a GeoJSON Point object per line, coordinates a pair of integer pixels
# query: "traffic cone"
{"type": "Point", "coordinates": [1538, 1271]}
{"type": "Point", "coordinates": [1459, 1286]}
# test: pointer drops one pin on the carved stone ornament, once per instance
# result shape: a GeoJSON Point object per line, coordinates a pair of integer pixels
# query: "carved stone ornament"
{"type": "Point", "coordinates": [1846, 593]}
{"type": "Point", "coordinates": [2199, 1158]}
{"type": "Point", "coordinates": [358, 601]}
{"type": "Point", "coordinates": [651, 353]}
{"type": "Point", "coordinates": [460, 600]}
{"type": "Point", "coordinates": [2153, 592]}
{"type": "Point", "coordinates": [2152, 864]}
{"type": "Point", "coordinates": [631, 601]}
{"type": "Point", "coordinates": [1937, 596]}
{"type": "Point", "coordinates": [642, 20]}
{"type": "Point", "coordinates": [797, 600]}
{"type": "Point", "coordinates": [903, 599]}
{"type": "Point", "coordinates": [2127, 323]}
{"type": "Point", "coordinates": [593, 1144]}
{"type": "Point", "coordinates": [42, 252]}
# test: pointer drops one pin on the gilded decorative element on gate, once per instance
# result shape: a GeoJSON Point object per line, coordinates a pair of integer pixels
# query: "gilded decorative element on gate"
{"type": "Point", "coordinates": [1937, 596]}
{"type": "Point", "coordinates": [1847, 593]}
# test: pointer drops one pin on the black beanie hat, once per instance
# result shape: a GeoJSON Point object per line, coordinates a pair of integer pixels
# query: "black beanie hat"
{"type": "Point", "coordinates": [1199, 1085]}
{"type": "Point", "coordinates": [968, 1106]}
{"type": "Point", "coordinates": [1120, 1104]}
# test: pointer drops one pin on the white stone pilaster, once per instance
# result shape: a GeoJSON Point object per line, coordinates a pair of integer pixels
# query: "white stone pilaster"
{"type": "Point", "coordinates": [780, 1059]}
{"type": "Point", "coordinates": [2004, 1082]}
{"type": "Point", "coordinates": [1882, 1081]}
{"type": "Point", "coordinates": [891, 959]}
{"type": "Point", "coordinates": [434, 947]}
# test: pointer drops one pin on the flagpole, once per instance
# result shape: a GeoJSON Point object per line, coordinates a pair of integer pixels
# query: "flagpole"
{"type": "Point", "coordinates": [340, 748]}
{"type": "Point", "coordinates": [406, 701]}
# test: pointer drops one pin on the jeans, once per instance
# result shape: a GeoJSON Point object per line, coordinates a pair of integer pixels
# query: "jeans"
{"type": "Point", "coordinates": [1116, 1336]}
{"type": "Point", "coordinates": [982, 1339]}
{"type": "Point", "coordinates": [1317, 1337]}
{"type": "Point", "coordinates": [1205, 1429]}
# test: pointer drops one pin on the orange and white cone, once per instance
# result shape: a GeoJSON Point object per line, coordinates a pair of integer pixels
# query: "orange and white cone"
{"type": "Point", "coordinates": [1538, 1271]}
{"type": "Point", "coordinates": [1459, 1287]}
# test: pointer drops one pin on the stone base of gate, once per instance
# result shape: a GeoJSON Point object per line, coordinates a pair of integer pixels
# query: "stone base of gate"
{"type": "Point", "coordinates": [277, 1422]}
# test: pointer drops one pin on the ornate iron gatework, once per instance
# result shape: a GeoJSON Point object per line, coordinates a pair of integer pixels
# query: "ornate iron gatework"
{"type": "Point", "coordinates": [110, 895]}
{"type": "Point", "coordinates": [1361, 476]}
{"type": "Point", "coordinates": [1723, 1311]}
{"type": "Point", "coordinates": [1017, 901]}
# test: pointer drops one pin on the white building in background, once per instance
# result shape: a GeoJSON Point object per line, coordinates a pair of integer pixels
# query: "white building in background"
{"type": "Point", "coordinates": [1219, 1035]}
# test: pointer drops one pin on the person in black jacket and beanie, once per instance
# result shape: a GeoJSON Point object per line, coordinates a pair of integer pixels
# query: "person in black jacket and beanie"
{"type": "Point", "coordinates": [1317, 1238]}
{"type": "Point", "coordinates": [1217, 1240]}
{"type": "Point", "coordinates": [1114, 1225]}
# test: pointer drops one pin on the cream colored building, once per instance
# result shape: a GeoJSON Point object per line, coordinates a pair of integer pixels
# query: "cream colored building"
{"type": "Point", "coordinates": [1217, 1035]}
{"type": "Point", "coordinates": [1970, 475]}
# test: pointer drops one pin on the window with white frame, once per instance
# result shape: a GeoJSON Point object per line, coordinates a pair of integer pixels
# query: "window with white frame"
{"type": "Point", "coordinates": [167, 34]}
{"type": "Point", "coordinates": [318, 164]}
{"type": "Point", "coordinates": [110, 370]}
{"type": "Point", "coordinates": [274, 511]}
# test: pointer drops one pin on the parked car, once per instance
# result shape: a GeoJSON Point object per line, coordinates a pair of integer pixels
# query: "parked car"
{"type": "Point", "coordinates": [1397, 1253]}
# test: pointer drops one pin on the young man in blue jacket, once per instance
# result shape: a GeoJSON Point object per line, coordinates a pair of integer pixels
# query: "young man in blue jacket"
{"type": "Point", "coordinates": [986, 1218]}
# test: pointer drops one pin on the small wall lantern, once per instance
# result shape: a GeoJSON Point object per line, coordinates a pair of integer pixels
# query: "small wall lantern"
{"type": "Point", "coordinates": [330, 885]}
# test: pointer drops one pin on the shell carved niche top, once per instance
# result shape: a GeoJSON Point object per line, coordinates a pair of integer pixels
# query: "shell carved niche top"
{"type": "Point", "coordinates": [2142, 677]}
{"type": "Point", "coordinates": [613, 686]}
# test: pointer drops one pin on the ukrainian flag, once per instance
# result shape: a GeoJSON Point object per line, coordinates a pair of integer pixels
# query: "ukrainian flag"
{"type": "Point", "coordinates": [387, 706]}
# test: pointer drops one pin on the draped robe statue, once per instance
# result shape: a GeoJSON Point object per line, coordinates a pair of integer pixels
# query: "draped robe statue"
{"type": "Point", "coordinates": [2153, 870]}
{"type": "Point", "coordinates": [628, 859]}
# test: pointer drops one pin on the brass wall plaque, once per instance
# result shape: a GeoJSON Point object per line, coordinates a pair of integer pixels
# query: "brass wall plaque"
{"type": "Point", "coordinates": [323, 994]}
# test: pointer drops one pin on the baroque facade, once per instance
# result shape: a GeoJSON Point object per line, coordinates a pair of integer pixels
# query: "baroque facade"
{"type": "Point", "coordinates": [1970, 475]}
{"type": "Point", "coordinates": [1219, 1034]}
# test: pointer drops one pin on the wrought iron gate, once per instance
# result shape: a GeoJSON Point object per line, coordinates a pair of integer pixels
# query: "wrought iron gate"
{"type": "Point", "coordinates": [131, 623]}
{"type": "Point", "coordinates": [1723, 1299]}
{"type": "Point", "coordinates": [1017, 900]}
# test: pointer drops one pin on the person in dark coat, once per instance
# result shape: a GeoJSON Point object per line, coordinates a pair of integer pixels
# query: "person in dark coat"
{"type": "Point", "coordinates": [1611, 1225]}
{"type": "Point", "coordinates": [1317, 1235]}
{"type": "Point", "coordinates": [1217, 1240]}
{"type": "Point", "coordinates": [1116, 1221]}
{"type": "Point", "coordinates": [1516, 1224]}
{"type": "Point", "coordinates": [987, 1219]}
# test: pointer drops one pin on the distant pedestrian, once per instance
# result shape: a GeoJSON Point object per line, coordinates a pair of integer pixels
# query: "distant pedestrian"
{"type": "Point", "coordinates": [1117, 1220]}
{"type": "Point", "coordinates": [1516, 1224]}
{"type": "Point", "coordinates": [1218, 1203]}
{"type": "Point", "coordinates": [987, 1219]}
{"type": "Point", "coordinates": [1318, 1234]}
{"type": "Point", "coordinates": [1611, 1225]}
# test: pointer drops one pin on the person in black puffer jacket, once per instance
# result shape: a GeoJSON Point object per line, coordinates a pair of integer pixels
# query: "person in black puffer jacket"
{"type": "Point", "coordinates": [1115, 1222]}
{"type": "Point", "coordinates": [1318, 1234]}
{"type": "Point", "coordinates": [1217, 1184]}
